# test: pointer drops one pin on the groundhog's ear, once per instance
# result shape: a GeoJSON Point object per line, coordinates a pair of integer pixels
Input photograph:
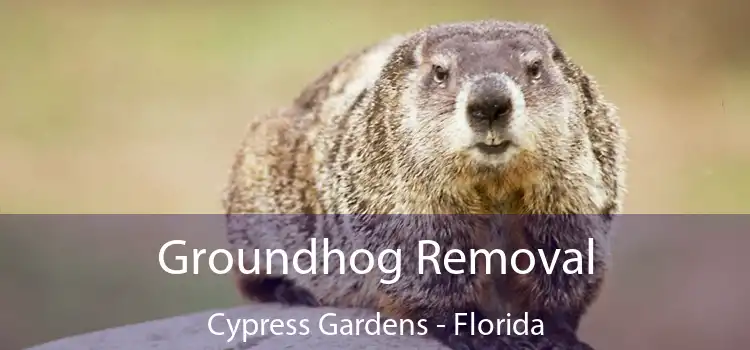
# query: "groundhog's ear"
{"type": "Point", "coordinates": [557, 53]}
{"type": "Point", "coordinates": [579, 78]}
{"type": "Point", "coordinates": [408, 54]}
{"type": "Point", "coordinates": [418, 50]}
{"type": "Point", "coordinates": [573, 72]}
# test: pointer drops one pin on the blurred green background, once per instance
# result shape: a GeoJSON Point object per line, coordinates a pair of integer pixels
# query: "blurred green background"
{"type": "Point", "coordinates": [137, 107]}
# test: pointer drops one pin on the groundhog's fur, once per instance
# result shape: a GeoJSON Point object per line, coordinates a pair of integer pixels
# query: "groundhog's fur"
{"type": "Point", "coordinates": [382, 133]}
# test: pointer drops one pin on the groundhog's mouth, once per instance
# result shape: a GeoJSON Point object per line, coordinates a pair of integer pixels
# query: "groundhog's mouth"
{"type": "Point", "coordinates": [494, 149]}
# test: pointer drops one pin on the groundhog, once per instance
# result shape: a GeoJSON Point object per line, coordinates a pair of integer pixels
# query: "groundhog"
{"type": "Point", "coordinates": [487, 129]}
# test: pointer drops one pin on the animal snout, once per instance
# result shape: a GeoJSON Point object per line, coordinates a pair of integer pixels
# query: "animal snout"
{"type": "Point", "coordinates": [490, 101]}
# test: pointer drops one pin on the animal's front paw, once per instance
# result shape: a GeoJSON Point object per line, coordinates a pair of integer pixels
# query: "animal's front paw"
{"type": "Point", "coordinates": [476, 342]}
{"type": "Point", "coordinates": [275, 290]}
{"type": "Point", "coordinates": [560, 335]}
{"type": "Point", "coordinates": [507, 342]}
{"type": "Point", "coordinates": [290, 294]}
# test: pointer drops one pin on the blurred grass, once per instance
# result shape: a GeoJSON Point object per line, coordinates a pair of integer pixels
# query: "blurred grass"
{"type": "Point", "coordinates": [137, 107]}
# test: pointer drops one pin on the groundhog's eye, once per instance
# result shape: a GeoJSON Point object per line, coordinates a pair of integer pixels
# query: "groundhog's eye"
{"type": "Point", "coordinates": [439, 73]}
{"type": "Point", "coordinates": [534, 69]}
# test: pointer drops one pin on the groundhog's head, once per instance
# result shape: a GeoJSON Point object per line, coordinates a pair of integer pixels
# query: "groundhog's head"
{"type": "Point", "coordinates": [483, 94]}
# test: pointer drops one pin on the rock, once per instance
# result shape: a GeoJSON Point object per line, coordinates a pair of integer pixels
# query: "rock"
{"type": "Point", "coordinates": [192, 332]}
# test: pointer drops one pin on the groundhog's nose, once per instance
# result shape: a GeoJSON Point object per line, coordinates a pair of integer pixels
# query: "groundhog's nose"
{"type": "Point", "coordinates": [490, 101]}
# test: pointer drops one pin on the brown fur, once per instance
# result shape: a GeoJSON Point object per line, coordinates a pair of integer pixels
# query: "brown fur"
{"type": "Point", "coordinates": [368, 137]}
